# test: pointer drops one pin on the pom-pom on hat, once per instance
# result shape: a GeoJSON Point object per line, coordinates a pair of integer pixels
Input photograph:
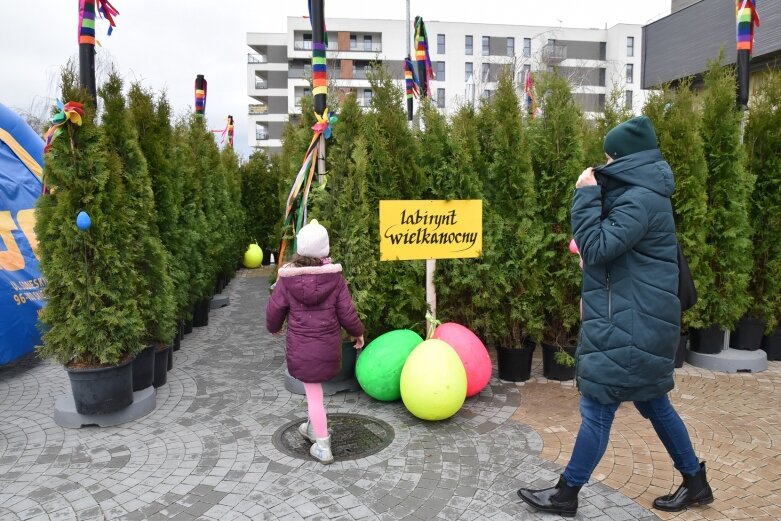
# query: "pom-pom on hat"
{"type": "Point", "coordinates": [312, 240]}
{"type": "Point", "coordinates": [631, 136]}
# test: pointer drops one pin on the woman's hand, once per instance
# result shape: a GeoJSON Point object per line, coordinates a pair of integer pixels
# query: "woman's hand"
{"type": "Point", "coordinates": [586, 178]}
{"type": "Point", "coordinates": [358, 342]}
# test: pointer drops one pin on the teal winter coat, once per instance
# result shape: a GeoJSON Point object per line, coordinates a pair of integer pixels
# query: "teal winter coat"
{"type": "Point", "coordinates": [625, 232]}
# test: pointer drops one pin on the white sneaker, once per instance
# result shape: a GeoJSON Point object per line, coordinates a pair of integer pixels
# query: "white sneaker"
{"type": "Point", "coordinates": [321, 450]}
{"type": "Point", "coordinates": [307, 431]}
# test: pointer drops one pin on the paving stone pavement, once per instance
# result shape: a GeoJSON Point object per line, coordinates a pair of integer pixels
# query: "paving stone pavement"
{"type": "Point", "coordinates": [206, 451]}
{"type": "Point", "coordinates": [734, 421]}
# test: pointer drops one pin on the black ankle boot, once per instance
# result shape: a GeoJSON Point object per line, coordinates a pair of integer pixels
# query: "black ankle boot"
{"type": "Point", "coordinates": [561, 499]}
{"type": "Point", "coordinates": [693, 491]}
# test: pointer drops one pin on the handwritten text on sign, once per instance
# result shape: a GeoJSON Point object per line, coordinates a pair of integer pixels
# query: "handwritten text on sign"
{"type": "Point", "coordinates": [430, 229]}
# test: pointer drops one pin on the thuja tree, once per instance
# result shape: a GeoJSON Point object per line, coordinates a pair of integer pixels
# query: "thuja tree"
{"type": "Point", "coordinates": [763, 145]}
{"type": "Point", "coordinates": [154, 289]}
{"type": "Point", "coordinates": [394, 173]}
{"type": "Point", "coordinates": [677, 122]}
{"type": "Point", "coordinates": [192, 220]}
{"type": "Point", "coordinates": [260, 199]}
{"type": "Point", "coordinates": [88, 316]}
{"type": "Point", "coordinates": [152, 122]}
{"type": "Point", "coordinates": [729, 187]}
{"type": "Point", "coordinates": [237, 237]}
{"type": "Point", "coordinates": [461, 293]}
{"type": "Point", "coordinates": [513, 231]}
{"type": "Point", "coordinates": [209, 172]}
{"type": "Point", "coordinates": [557, 158]}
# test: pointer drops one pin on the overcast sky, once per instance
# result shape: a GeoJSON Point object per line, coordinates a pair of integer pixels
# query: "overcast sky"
{"type": "Point", "coordinates": [164, 44]}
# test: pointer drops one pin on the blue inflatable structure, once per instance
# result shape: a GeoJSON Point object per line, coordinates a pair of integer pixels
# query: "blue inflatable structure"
{"type": "Point", "coordinates": [21, 283]}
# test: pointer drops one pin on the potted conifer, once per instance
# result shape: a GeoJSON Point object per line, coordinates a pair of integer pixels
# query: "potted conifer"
{"type": "Point", "coordinates": [92, 327]}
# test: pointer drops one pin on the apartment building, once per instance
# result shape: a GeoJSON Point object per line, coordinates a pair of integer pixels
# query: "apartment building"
{"type": "Point", "coordinates": [466, 57]}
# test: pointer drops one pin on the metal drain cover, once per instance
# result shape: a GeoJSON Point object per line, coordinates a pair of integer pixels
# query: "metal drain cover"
{"type": "Point", "coordinates": [353, 436]}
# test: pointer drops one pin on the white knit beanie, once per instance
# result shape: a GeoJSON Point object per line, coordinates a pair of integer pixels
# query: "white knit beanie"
{"type": "Point", "coordinates": [312, 240]}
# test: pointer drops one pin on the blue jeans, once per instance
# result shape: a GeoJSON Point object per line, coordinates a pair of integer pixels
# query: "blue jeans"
{"type": "Point", "coordinates": [596, 420]}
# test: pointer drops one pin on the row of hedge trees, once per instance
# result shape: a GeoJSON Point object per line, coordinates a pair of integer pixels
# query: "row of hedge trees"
{"type": "Point", "coordinates": [167, 223]}
{"type": "Point", "coordinates": [526, 284]}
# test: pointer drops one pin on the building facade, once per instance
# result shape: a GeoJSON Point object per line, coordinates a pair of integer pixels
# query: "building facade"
{"type": "Point", "coordinates": [467, 59]}
{"type": "Point", "coordinates": [681, 44]}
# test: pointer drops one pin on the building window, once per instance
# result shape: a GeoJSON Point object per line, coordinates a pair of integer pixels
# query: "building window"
{"type": "Point", "coordinates": [261, 133]}
{"type": "Point", "coordinates": [486, 45]}
{"type": "Point", "coordinates": [307, 41]}
{"type": "Point", "coordinates": [602, 77]}
{"type": "Point", "coordinates": [603, 51]}
{"type": "Point", "coordinates": [307, 92]}
{"type": "Point", "coordinates": [353, 42]}
{"type": "Point", "coordinates": [527, 47]}
{"type": "Point", "coordinates": [468, 70]}
{"type": "Point", "coordinates": [485, 69]}
{"type": "Point", "coordinates": [367, 97]}
{"type": "Point", "coordinates": [510, 46]}
{"type": "Point", "coordinates": [441, 43]}
{"type": "Point", "coordinates": [527, 69]}
{"type": "Point", "coordinates": [487, 93]}
{"type": "Point", "coordinates": [628, 99]}
{"type": "Point", "coordinates": [441, 98]}
{"type": "Point", "coordinates": [630, 46]}
{"type": "Point", "coordinates": [630, 73]}
{"type": "Point", "coordinates": [468, 49]}
{"type": "Point", "coordinates": [367, 42]}
{"type": "Point", "coordinates": [440, 71]}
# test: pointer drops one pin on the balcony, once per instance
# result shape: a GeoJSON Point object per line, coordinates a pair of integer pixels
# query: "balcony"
{"type": "Point", "coordinates": [306, 45]}
{"type": "Point", "coordinates": [260, 84]}
{"type": "Point", "coordinates": [554, 53]}
{"type": "Point", "coordinates": [299, 73]}
{"type": "Point", "coordinates": [261, 135]}
{"type": "Point", "coordinates": [258, 109]}
{"type": "Point", "coordinates": [256, 58]}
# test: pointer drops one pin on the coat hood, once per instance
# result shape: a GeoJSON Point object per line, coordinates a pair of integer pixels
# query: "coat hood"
{"type": "Point", "coordinates": [647, 169]}
{"type": "Point", "coordinates": [311, 285]}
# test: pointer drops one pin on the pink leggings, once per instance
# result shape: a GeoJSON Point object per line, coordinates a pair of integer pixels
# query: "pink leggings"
{"type": "Point", "coordinates": [314, 402]}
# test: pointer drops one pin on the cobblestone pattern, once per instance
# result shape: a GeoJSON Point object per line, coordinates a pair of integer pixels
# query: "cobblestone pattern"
{"type": "Point", "coordinates": [206, 451]}
{"type": "Point", "coordinates": [734, 421]}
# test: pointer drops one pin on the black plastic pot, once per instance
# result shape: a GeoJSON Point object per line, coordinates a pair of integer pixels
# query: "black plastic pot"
{"type": "Point", "coordinates": [188, 326]}
{"type": "Point", "coordinates": [748, 334]}
{"type": "Point", "coordinates": [680, 352]}
{"type": "Point", "coordinates": [102, 390]}
{"type": "Point", "coordinates": [709, 341]}
{"type": "Point", "coordinates": [170, 364]}
{"type": "Point", "coordinates": [144, 369]}
{"type": "Point", "coordinates": [161, 367]}
{"type": "Point", "coordinates": [772, 345]}
{"type": "Point", "coordinates": [515, 363]}
{"type": "Point", "coordinates": [201, 313]}
{"type": "Point", "coordinates": [178, 338]}
{"type": "Point", "coordinates": [551, 369]}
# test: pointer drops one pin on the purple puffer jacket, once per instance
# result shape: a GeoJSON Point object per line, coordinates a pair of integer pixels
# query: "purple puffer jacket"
{"type": "Point", "coordinates": [316, 302]}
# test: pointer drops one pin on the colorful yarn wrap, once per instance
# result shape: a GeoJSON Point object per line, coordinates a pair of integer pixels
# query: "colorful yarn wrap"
{"type": "Point", "coordinates": [200, 95]}
{"type": "Point", "coordinates": [319, 70]}
{"type": "Point", "coordinates": [410, 79]}
{"type": "Point", "coordinates": [87, 10]}
{"type": "Point", "coordinates": [422, 55]}
{"type": "Point", "coordinates": [747, 20]}
{"type": "Point", "coordinates": [72, 111]}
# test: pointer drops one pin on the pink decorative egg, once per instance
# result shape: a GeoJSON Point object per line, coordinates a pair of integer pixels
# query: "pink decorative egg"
{"type": "Point", "coordinates": [472, 353]}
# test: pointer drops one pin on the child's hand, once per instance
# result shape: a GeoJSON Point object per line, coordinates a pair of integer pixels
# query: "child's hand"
{"type": "Point", "coordinates": [358, 342]}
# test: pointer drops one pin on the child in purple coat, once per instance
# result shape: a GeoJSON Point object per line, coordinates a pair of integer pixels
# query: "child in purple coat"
{"type": "Point", "coordinates": [313, 295]}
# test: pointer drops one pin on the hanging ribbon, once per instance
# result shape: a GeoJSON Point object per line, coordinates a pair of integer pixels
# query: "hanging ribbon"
{"type": "Point", "coordinates": [422, 54]}
{"type": "Point", "coordinates": [72, 111]}
{"type": "Point", "coordinates": [411, 79]}
{"type": "Point", "coordinates": [325, 31]}
{"type": "Point", "coordinates": [108, 12]}
{"type": "Point", "coordinates": [747, 20]}
{"type": "Point", "coordinates": [529, 88]}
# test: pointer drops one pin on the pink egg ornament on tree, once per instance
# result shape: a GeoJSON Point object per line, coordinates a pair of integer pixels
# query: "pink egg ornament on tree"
{"type": "Point", "coordinates": [472, 353]}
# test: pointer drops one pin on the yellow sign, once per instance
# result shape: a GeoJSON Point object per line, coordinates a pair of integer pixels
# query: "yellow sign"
{"type": "Point", "coordinates": [430, 229]}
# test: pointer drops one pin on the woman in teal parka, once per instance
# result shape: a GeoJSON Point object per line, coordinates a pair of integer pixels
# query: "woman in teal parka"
{"type": "Point", "coordinates": [622, 221]}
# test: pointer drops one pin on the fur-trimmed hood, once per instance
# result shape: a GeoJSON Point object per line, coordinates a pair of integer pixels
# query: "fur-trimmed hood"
{"type": "Point", "coordinates": [291, 271]}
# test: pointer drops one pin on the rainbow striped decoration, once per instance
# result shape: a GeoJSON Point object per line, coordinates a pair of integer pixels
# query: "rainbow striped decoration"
{"type": "Point", "coordinates": [200, 95]}
{"type": "Point", "coordinates": [422, 56]}
{"type": "Point", "coordinates": [87, 22]}
{"type": "Point", "coordinates": [410, 79]}
{"type": "Point", "coordinates": [747, 20]}
{"type": "Point", "coordinates": [319, 70]}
